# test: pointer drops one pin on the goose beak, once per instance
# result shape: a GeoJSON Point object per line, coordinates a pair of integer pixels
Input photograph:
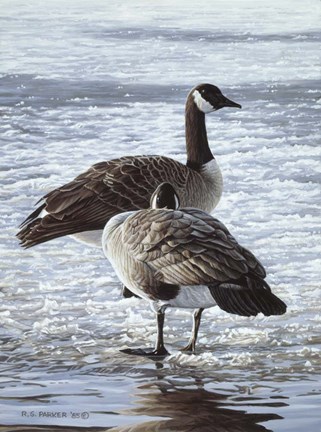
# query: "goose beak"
{"type": "Point", "coordinates": [229, 103]}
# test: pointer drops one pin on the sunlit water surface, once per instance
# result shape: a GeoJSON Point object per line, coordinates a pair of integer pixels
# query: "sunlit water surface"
{"type": "Point", "coordinates": [83, 82]}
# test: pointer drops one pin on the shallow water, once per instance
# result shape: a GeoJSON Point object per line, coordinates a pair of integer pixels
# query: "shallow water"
{"type": "Point", "coordinates": [85, 82]}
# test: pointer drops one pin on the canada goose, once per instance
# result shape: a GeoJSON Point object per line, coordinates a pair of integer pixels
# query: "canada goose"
{"type": "Point", "coordinates": [85, 204]}
{"type": "Point", "coordinates": [186, 259]}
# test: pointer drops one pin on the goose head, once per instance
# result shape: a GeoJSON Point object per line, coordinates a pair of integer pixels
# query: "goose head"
{"type": "Point", "coordinates": [208, 98]}
{"type": "Point", "coordinates": [165, 196]}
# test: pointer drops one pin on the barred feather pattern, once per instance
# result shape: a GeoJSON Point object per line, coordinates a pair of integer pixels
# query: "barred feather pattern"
{"type": "Point", "coordinates": [187, 247]}
{"type": "Point", "coordinates": [108, 188]}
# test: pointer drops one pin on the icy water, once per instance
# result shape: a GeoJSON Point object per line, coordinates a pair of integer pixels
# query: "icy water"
{"type": "Point", "coordinates": [86, 81]}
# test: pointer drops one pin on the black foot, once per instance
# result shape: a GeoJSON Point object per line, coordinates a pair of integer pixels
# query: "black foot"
{"type": "Point", "coordinates": [189, 349]}
{"type": "Point", "coordinates": [151, 353]}
{"type": "Point", "coordinates": [126, 293]}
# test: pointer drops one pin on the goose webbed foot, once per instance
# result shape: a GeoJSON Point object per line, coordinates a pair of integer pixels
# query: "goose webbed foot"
{"type": "Point", "coordinates": [189, 348]}
{"type": "Point", "coordinates": [158, 353]}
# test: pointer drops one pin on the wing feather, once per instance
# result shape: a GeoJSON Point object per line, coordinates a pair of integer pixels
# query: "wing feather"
{"type": "Point", "coordinates": [105, 189]}
{"type": "Point", "coordinates": [186, 247]}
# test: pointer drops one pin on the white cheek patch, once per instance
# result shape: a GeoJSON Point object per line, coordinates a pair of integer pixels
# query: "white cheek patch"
{"type": "Point", "coordinates": [154, 202]}
{"type": "Point", "coordinates": [201, 103]}
{"type": "Point", "coordinates": [177, 203]}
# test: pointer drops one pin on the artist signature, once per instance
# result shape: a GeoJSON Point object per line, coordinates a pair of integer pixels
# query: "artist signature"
{"type": "Point", "coordinates": [56, 414]}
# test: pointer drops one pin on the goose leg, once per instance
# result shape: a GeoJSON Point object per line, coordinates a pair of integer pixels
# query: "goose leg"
{"type": "Point", "coordinates": [160, 351]}
{"type": "Point", "coordinates": [190, 347]}
{"type": "Point", "coordinates": [160, 347]}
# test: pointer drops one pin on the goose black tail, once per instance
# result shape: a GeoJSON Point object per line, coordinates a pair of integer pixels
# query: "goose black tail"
{"type": "Point", "coordinates": [41, 230]}
{"type": "Point", "coordinates": [247, 297]}
{"type": "Point", "coordinates": [33, 215]}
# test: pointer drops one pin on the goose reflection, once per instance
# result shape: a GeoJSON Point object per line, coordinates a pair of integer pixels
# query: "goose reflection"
{"type": "Point", "coordinates": [180, 405]}
{"type": "Point", "coordinates": [187, 409]}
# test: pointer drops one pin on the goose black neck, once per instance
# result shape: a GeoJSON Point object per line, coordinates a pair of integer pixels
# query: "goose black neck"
{"type": "Point", "coordinates": [197, 148]}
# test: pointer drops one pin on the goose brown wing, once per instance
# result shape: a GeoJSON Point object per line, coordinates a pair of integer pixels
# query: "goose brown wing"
{"type": "Point", "coordinates": [255, 266]}
{"type": "Point", "coordinates": [186, 247]}
{"type": "Point", "coordinates": [91, 199]}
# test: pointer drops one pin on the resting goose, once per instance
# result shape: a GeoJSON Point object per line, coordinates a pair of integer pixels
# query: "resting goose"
{"type": "Point", "coordinates": [85, 204]}
{"type": "Point", "coordinates": [185, 258]}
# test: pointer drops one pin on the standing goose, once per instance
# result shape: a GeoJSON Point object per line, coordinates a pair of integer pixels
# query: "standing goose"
{"type": "Point", "coordinates": [84, 205]}
{"type": "Point", "coordinates": [186, 259]}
